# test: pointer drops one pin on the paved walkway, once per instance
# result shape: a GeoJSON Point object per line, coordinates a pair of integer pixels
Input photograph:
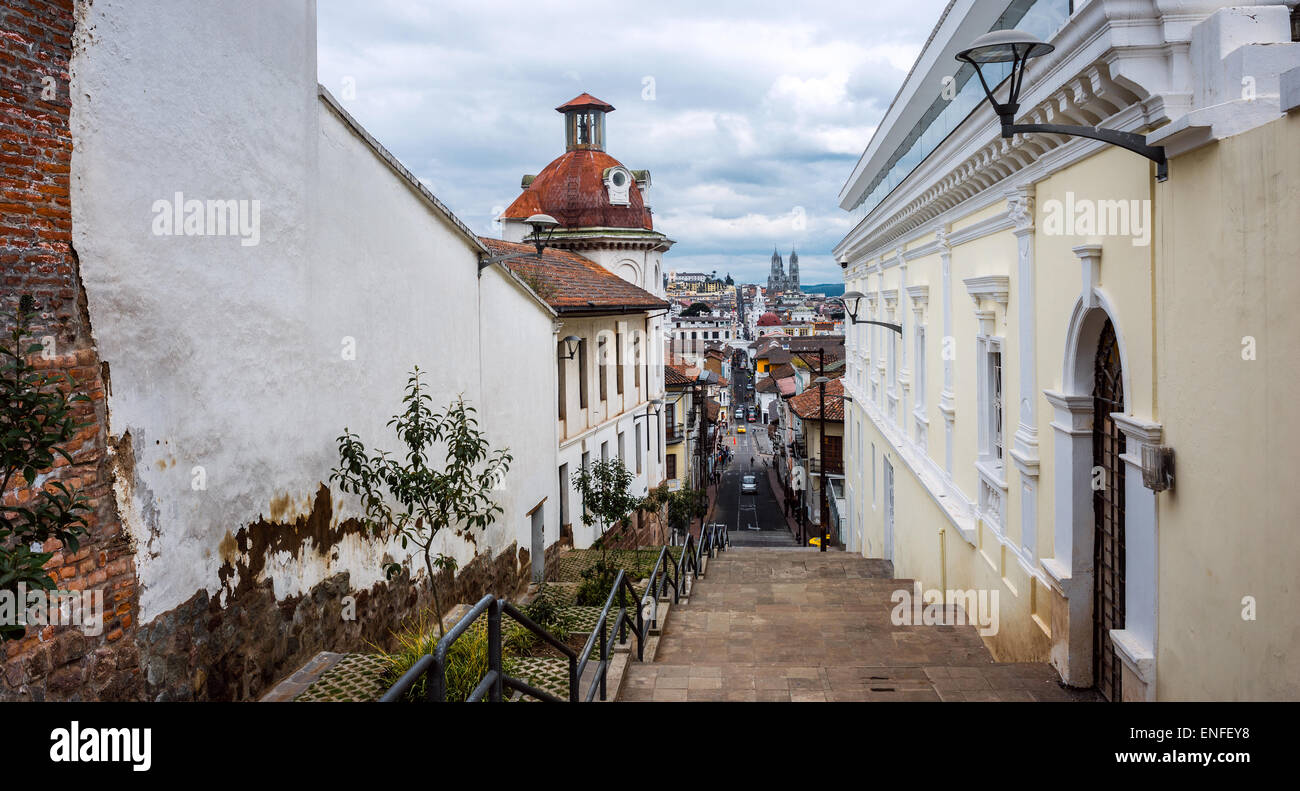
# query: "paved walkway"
{"type": "Point", "coordinates": [800, 625]}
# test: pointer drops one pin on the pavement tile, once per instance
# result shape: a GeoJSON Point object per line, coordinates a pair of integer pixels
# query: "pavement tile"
{"type": "Point", "coordinates": [794, 624]}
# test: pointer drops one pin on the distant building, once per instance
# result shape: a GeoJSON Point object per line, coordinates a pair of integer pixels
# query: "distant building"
{"type": "Point", "coordinates": [607, 378]}
{"type": "Point", "coordinates": [777, 279]}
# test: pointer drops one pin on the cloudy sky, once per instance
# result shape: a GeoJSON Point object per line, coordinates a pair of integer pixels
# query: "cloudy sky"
{"type": "Point", "coordinates": [749, 115]}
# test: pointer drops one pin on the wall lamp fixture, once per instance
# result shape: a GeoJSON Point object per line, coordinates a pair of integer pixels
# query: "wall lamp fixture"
{"type": "Point", "coordinates": [851, 300]}
{"type": "Point", "coordinates": [1017, 47]}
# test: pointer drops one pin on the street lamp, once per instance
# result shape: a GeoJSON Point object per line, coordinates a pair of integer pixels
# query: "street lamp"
{"type": "Point", "coordinates": [543, 226]}
{"type": "Point", "coordinates": [850, 301]}
{"type": "Point", "coordinates": [1017, 47]}
{"type": "Point", "coordinates": [571, 344]}
{"type": "Point", "coordinates": [821, 459]}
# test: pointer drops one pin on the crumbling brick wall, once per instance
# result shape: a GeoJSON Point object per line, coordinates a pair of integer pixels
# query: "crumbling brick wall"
{"type": "Point", "coordinates": [37, 258]}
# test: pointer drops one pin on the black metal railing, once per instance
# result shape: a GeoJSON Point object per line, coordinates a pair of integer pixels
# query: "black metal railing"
{"type": "Point", "coordinates": [667, 574]}
{"type": "Point", "coordinates": [433, 667]}
{"type": "Point", "coordinates": [600, 636]}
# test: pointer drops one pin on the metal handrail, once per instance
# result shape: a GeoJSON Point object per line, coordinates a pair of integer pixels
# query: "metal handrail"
{"type": "Point", "coordinates": [668, 572]}
{"type": "Point", "coordinates": [435, 664]}
{"type": "Point", "coordinates": [622, 621]}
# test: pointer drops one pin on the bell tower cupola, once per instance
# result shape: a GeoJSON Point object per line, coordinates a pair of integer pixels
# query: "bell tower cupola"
{"type": "Point", "coordinates": [584, 123]}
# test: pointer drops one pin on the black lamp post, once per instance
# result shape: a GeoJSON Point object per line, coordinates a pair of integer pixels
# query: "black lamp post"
{"type": "Point", "coordinates": [821, 459]}
{"type": "Point", "coordinates": [1017, 47]}
{"type": "Point", "coordinates": [543, 226]}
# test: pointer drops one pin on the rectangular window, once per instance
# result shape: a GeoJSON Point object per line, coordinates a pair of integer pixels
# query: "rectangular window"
{"type": "Point", "coordinates": [618, 362]}
{"type": "Point", "coordinates": [995, 405]}
{"type": "Point", "coordinates": [893, 362]}
{"type": "Point", "coordinates": [920, 370]}
{"type": "Point", "coordinates": [602, 368]}
{"type": "Point", "coordinates": [636, 363]}
{"type": "Point", "coordinates": [672, 467]}
{"type": "Point", "coordinates": [582, 374]}
{"type": "Point", "coordinates": [586, 464]}
{"type": "Point", "coordinates": [562, 369]}
{"type": "Point", "coordinates": [873, 475]}
{"type": "Point", "coordinates": [638, 452]}
{"type": "Point", "coordinates": [621, 455]}
{"type": "Point", "coordinates": [604, 451]}
{"type": "Point", "coordinates": [564, 494]}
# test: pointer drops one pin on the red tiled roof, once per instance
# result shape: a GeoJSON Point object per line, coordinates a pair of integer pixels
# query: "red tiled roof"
{"type": "Point", "coordinates": [585, 100]}
{"type": "Point", "coordinates": [785, 386]}
{"type": "Point", "coordinates": [766, 385]}
{"type": "Point", "coordinates": [572, 190]}
{"type": "Point", "coordinates": [570, 283]}
{"type": "Point", "coordinates": [781, 371]}
{"type": "Point", "coordinates": [807, 405]}
{"type": "Point", "coordinates": [673, 377]}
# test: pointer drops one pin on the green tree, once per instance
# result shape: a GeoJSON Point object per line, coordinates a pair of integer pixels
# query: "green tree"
{"type": "Point", "coordinates": [36, 418]}
{"type": "Point", "coordinates": [684, 505]}
{"type": "Point", "coordinates": [429, 498]}
{"type": "Point", "coordinates": [606, 503]}
{"type": "Point", "coordinates": [697, 309]}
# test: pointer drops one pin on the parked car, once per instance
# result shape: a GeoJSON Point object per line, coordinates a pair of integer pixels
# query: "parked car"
{"type": "Point", "coordinates": [749, 485]}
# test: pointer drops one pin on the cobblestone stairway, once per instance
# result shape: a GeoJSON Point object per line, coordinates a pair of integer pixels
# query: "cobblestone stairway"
{"type": "Point", "coordinates": [801, 625]}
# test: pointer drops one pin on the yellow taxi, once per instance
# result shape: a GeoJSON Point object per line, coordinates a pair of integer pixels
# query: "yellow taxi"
{"type": "Point", "coordinates": [740, 429]}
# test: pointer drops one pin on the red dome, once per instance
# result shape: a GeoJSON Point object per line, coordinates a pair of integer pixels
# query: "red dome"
{"type": "Point", "coordinates": [572, 190]}
{"type": "Point", "coordinates": [769, 319]}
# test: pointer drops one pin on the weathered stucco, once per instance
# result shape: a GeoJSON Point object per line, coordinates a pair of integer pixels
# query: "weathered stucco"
{"type": "Point", "coordinates": [237, 365]}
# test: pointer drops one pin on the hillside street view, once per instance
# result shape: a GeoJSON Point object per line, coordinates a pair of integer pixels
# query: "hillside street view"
{"type": "Point", "coordinates": [426, 353]}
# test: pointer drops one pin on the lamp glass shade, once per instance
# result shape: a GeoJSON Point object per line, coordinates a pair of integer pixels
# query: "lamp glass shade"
{"type": "Point", "coordinates": [1004, 46]}
{"type": "Point", "coordinates": [542, 222]}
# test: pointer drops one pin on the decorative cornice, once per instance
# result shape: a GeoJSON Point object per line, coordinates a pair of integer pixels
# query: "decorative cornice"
{"type": "Point", "coordinates": [920, 296]}
{"type": "Point", "coordinates": [994, 287]}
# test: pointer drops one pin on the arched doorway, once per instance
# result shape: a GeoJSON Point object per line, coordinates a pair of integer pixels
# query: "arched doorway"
{"type": "Point", "coordinates": [1108, 513]}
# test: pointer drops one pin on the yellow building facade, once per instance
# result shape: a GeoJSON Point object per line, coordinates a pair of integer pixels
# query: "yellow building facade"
{"type": "Point", "coordinates": [1066, 320]}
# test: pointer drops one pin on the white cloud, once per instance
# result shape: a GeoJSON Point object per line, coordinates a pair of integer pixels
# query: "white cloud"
{"type": "Point", "coordinates": [758, 108]}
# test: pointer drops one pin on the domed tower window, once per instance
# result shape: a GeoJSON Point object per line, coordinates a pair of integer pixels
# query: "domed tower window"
{"type": "Point", "coordinates": [618, 182]}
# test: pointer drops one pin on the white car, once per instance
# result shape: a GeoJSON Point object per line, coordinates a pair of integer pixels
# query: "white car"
{"type": "Point", "coordinates": [749, 485]}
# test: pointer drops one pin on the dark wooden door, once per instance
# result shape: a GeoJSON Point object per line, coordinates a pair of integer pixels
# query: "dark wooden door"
{"type": "Point", "coordinates": [1108, 515]}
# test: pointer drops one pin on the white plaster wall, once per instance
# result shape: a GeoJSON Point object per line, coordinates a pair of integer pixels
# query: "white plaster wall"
{"type": "Point", "coordinates": [230, 357]}
{"type": "Point", "coordinates": [518, 347]}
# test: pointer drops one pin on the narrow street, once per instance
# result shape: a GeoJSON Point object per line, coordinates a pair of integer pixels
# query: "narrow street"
{"type": "Point", "coordinates": [753, 519]}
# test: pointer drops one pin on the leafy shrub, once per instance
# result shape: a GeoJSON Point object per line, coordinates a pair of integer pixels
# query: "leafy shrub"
{"type": "Point", "coordinates": [597, 579]}
{"type": "Point", "coordinates": [37, 417]}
